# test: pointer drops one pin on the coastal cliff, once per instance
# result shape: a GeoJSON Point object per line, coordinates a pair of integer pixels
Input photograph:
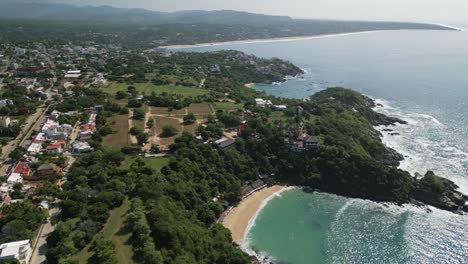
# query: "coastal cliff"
{"type": "Point", "coordinates": [439, 192]}
{"type": "Point", "coordinates": [352, 160]}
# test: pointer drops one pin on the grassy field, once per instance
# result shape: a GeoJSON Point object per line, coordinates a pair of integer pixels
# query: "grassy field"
{"type": "Point", "coordinates": [277, 116]}
{"type": "Point", "coordinates": [166, 111]}
{"type": "Point", "coordinates": [200, 109]}
{"type": "Point", "coordinates": [155, 163]}
{"type": "Point", "coordinates": [148, 88]}
{"type": "Point", "coordinates": [161, 121]}
{"type": "Point", "coordinates": [140, 123]}
{"type": "Point", "coordinates": [113, 230]}
{"type": "Point", "coordinates": [226, 106]}
{"type": "Point", "coordinates": [119, 139]}
{"type": "Point", "coordinates": [191, 128]}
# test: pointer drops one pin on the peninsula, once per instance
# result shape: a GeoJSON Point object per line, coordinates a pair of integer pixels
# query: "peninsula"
{"type": "Point", "coordinates": [140, 151]}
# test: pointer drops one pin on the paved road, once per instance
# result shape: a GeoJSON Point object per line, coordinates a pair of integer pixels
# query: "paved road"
{"type": "Point", "coordinates": [27, 127]}
{"type": "Point", "coordinates": [40, 243]}
{"type": "Point", "coordinates": [32, 122]}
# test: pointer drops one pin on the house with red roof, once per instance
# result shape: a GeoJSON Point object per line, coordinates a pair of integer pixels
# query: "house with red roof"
{"type": "Point", "coordinates": [87, 132]}
{"type": "Point", "coordinates": [56, 147]}
{"type": "Point", "coordinates": [22, 168]}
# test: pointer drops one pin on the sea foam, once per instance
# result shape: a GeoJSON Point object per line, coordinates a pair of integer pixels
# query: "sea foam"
{"type": "Point", "coordinates": [426, 143]}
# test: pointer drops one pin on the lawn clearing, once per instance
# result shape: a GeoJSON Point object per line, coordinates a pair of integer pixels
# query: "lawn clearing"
{"type": "Point", "coordinates": [160, 122]}
{"type": "Point", "coordinates": [191, 128]}
{"type": "Point", "coordinates": [200, 109]}
{"type": "Point", "coordinates": [167, 111]}
{"type": "Point", "coordinates": [227, 106]}
{"type": "Point", "coordinates": [119, 139]}
{"type": "Point", "coordinates": [277, 116]}
{"type": "Point", "coordinates": [154, 163]}
{"type": "Point", "coordinates": [148, 88]}
{"type": "Point", "coordinates": [113, 230]}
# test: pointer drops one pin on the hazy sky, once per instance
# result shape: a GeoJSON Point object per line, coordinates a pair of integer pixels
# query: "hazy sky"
{"type": "Point", "coordinates": [442, 11]}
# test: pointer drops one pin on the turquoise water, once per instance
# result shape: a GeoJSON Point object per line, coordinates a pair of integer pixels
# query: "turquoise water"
{"type": "Point", "coordinates": [419, 76]}
{"type": "Point", "coordinates": [304, 228]}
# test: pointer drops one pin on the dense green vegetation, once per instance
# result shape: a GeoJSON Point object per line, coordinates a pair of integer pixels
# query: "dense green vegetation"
{"type": "Point", "coordinates": [172, 214]}
{"type": "Point", "coordinates": [174, 208]}
{"type": "Point", "coordinates": [142, 28]}
{"type": "Point", "coordinates": [178, 216]}
{"type": "Point", "coordinates": [19, 221]}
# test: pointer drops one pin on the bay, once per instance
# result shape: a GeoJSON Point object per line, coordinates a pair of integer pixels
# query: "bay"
{"type": "Point", "coordinates": [419, 76]}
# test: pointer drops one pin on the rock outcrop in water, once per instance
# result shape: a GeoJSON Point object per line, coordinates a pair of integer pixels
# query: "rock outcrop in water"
{"type": "Point", "coordinates": [390, 157]}
{"type": "Point", "coordinates": [439, 192]}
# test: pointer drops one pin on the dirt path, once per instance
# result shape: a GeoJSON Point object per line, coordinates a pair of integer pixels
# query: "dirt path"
{"type": "Point", "coordinates": [133, 139]}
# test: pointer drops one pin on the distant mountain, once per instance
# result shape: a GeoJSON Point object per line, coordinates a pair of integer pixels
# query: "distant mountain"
{"type": "Point", "coordinates": [39, 21]}
{"type": "Point", "coordinates": [14, 9]}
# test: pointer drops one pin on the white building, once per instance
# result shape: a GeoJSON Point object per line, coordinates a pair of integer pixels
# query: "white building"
{"type": "Point", "coordinates": [262, 103]}
{"type": "Point", "coordinates": [36, 145]}
{"type": "Point", "coordinates": [81, 147]}
{"type": "Point", "coordinates": [50, 128]}
{"type": "Point", "coordinates": [5, 102]}
{"type": "Point", "coordinates": [280, 107]}
{"type": "Point", "coordinates": [15, 178]}
{"type": "Point", "coordinates": [73, 74]}
{"type": "Point", "coordinates": [20, 250]}
{"type": "Point", "coordinates": [4, 121]}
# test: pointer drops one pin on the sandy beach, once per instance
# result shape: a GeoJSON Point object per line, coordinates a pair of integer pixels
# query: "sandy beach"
{"type": "Point", "coordinates": [238, 219]}
{"type": "Point", "coordinates": [247, 41]}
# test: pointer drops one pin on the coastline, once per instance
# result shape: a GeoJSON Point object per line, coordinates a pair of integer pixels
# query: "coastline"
{"type": "Point", "coordinates": [281, 39]}
{"type": "Point", "coordinates": [242, 217]}
{"type": "Point", "coordinates": [287, 39]}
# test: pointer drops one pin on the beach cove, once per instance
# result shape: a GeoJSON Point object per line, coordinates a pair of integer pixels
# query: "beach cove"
{"type": "Point", "coordinates": [418, 82]}
{"type": "Point", "coordinates": [241, 217]}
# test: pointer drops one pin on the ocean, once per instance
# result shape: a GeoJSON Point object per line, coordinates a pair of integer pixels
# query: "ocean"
{"type": "Point", "coordinates": [418, 76]}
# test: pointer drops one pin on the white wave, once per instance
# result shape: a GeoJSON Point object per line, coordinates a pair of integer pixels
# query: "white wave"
{"type": "Point", "coordinates": [426, 143]}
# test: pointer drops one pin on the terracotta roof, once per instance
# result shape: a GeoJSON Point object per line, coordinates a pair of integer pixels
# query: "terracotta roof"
{"type": "Point", "coordinates": [22, 168]}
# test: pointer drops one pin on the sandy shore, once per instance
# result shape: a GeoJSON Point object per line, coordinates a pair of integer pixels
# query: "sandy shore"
{"type": "Point", "coordinates": [238, 219]}
{"type": "Point", "coordinates": [285, 39]}
{"type": "Point", "coordinates": [249, 85]}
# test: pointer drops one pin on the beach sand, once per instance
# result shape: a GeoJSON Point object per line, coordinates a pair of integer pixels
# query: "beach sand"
{"type": "Point", "coordinates": [281, 39]}
{"type": "Point", "coordinates": [238, 219]}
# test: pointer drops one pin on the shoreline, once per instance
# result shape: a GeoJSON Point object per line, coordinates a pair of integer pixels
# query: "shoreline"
{"type": "Point", "coordinates": [242, 217]}
{"type": "Point", "coordinates": [267, 40]}
{"type": "Point", "coordinates": [287, 39]}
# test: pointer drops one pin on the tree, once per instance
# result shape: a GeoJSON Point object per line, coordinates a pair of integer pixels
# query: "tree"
{"type": "Point", "coordinates": [142, 138]}
{"type": "Point", "coordinates": [168, 131]}
{"type": "Point", "coordinates": [104, 251]}
{"type": "Point", "coordinates": [135, 131]}
{"type": "Point", "coordinates": [16, 154]}
{"type": "Point", "coordinates": [132, 90]}
{"type": "Point", "coordinates": [134, 103]}
{"type": "Point", "coordinates": [138, 114]}
{"type": "Point", "coordinates": [154, 149]}
{"type": "Point", "coordinates": [190, 119]}
{"type": "Point", "coordinates": [120, 95]}
{"type": "Point", "coordinates": [150, 123]}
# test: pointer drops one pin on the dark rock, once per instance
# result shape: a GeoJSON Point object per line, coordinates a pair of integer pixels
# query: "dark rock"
{"type": "Point", "coordinates": [439, 192]}
{"type": "Point", "coordinates": [390, 157]}
{"type": "Point", "coordinates": [394, 134]}
{"type": "Point", "coordinates": [383, 120]}
{"type": "Point", "coordinates": [465, 208]}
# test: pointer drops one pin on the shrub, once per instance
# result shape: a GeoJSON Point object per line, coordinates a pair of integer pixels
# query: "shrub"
{"type": "Point", "coordinates": [168, 131]}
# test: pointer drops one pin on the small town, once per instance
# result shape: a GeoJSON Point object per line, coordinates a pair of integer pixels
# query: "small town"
{"type": "Point", "coordinates": [45, 128]}
{"type": "Point", "coordinates": [232, 132]}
